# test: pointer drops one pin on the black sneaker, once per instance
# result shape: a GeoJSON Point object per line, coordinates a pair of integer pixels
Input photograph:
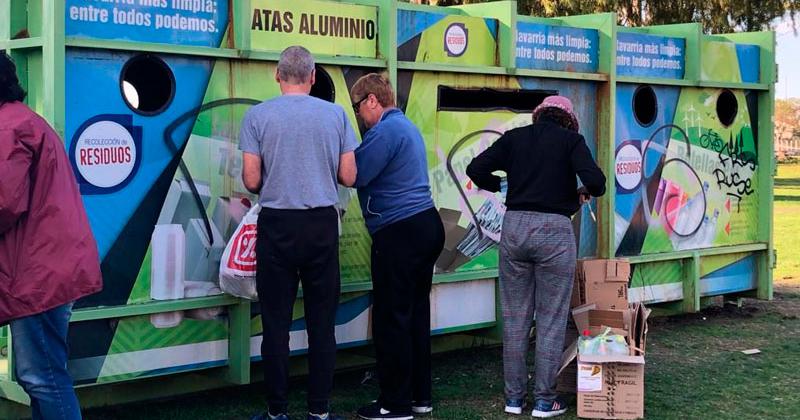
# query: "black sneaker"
{"type": "Point", "coordinates": [376, 412]}
{"type": "Point", "coordinates": [421, 407]}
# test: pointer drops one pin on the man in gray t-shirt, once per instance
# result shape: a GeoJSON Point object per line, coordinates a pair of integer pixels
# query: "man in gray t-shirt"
{"type": "Point", "coordinates": [300, 140]}
{"type": "Point", "coordinates": [295, 149]}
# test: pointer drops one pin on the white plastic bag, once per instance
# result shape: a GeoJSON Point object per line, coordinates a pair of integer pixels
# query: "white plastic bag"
{"type": "Point", "coordinates": [237, 268]}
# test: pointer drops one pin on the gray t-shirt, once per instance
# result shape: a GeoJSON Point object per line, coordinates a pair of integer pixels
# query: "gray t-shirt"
{"type": "Point", "coordinates": [299, 139]}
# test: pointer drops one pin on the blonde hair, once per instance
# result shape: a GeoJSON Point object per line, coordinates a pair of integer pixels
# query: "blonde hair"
{"type": "Point", "coordinates": [375, 84]}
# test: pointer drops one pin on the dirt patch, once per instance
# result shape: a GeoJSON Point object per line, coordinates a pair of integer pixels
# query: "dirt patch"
{"type": "Point", "coordinates": [786, 301]}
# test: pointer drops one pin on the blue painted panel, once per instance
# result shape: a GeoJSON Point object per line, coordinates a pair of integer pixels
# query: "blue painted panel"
{"type": "Point", "coordinates": [92, 90]}
{"type": "Point", "coordinates": [650, 56]}
{"type": "Point", "coordinates": [558, 48]}
{"type": "Point", "coordinates": [737, 277]}
{"type": "Point", "coordinates": [203, 24]}
{"type": "Point", "coordinates": [411, 23]}
{"type": "Point", "coordinates": [749, 62]}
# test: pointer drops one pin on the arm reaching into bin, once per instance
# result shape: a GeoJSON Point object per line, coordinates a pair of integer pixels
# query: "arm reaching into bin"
{"type": "Point", "coordinates": [347, 160]}
{"type": "Point", "coordinates": [587, 170]}
{"type": "Point", "coordinates": [250, 145]}
{"type": "Point", "coordinates": [481, 169]}
{"type": "Point", "coordinates": [251, 172]}
{"type": "Point", "coordinates": [347, 169]}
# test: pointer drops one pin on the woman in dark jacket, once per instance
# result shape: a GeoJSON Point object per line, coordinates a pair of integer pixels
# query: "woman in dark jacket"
{"type": "Point", "coordinates": [537, 244]}
{"type": "Point", "coordinates": [48, 256]}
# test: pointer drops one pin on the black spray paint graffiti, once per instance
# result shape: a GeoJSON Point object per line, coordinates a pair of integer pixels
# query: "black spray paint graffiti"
{"type": "Point", "coordinates": [665, 162]}
{"type": "Point", "coordinates": [733, 158]}
{"type": "Point", "coordinates": [454, 176]}
{"type": "Point", "coordinates": [191, 115]}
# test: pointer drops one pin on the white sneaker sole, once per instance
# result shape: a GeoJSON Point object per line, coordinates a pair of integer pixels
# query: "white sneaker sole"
{"type": "Point", "coordinates": [384, 418]}
{"type": "Point", "coordinates": [513, 410]}
{"type": "Point", "coordinates": [547, 414]}
{"type": "Point", "coordinates": [422, 410]}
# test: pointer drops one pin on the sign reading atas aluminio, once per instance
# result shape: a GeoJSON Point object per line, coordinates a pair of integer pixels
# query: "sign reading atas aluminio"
{"type": "Point", "coordinates": [323, 27]}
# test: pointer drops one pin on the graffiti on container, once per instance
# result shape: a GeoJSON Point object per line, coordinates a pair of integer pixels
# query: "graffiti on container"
{"type": "Point", "coordinates": [737, 166]}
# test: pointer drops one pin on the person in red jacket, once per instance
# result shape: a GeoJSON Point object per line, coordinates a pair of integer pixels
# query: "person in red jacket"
{"type": "Point", "coordinates": [48, 256]}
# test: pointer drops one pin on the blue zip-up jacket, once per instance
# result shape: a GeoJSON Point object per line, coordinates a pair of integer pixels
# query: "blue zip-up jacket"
{"type": "Point", "coordinates": [392, 178]}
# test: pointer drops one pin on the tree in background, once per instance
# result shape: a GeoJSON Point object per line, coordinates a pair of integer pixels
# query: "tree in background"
{"type": "Point", "coordinates": [717, 16]}
{"type": "Point", "coordinates": [787, 127]}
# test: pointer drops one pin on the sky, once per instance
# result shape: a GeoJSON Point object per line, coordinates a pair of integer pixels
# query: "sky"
{"type": "Point", "coordinates": [788, 58]}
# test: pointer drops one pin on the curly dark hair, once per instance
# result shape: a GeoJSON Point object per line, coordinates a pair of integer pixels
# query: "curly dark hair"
{"type": "Point", "coordinates": [10, 89]}
{"type": "Point", "coordinates": [558, 116]}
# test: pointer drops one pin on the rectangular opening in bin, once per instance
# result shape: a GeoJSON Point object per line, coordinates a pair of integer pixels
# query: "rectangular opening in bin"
{"type": "Point", "coordinates": [486, 99]}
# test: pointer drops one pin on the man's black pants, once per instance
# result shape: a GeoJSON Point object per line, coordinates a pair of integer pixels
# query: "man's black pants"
{"type": "Point", "coordinates": [296, 246]}
{"type": "Point", "coordinates": [403, 255]}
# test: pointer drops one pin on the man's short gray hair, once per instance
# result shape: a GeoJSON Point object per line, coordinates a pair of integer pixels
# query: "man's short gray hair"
{"type": "Point", "coordinates": [295, 65]}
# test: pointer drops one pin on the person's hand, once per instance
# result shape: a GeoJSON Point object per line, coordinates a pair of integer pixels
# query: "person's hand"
{"type": "Point", "coordinates": [583, 196]}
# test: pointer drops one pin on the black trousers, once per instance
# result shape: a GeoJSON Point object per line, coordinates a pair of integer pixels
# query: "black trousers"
{"type": "Point", "coordinates": [403, 255]}
{"type": "Point", "coordinates": [296, 246]}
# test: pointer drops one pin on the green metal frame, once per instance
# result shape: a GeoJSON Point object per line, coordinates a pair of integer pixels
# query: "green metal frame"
{"type": "Point", "coordinates": [41, 60]}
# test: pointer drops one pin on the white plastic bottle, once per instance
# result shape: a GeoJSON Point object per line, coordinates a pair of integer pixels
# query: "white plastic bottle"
{"type": "Point", "coordinates": [167, 271]}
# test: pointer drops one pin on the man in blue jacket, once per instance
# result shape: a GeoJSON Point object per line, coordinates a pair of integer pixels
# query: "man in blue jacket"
{"type": "Point", "coordinates": [407, 238]}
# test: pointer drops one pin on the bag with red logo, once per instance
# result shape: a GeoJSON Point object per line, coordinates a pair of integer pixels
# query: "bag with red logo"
{"type": "Point", "coordinates": [237, 269]}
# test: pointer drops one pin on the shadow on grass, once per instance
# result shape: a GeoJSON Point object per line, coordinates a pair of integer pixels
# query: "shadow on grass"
{"type": "Point", "coordinates": [786, 197]}
{"type": "Point", "coordinates": [787, 182]}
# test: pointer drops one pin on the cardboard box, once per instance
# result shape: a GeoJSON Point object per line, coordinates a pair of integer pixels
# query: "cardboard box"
{"type": "Point", "coordinates": [568, 372]}
{"type": "Point", "coordinates": [588, 318]}
{"type": "Point", "coordinates": [603, 282]}
{"type": "Point", "coordinates": [611, 387]}
{"type": "Point", "coordinates": [630, 323]}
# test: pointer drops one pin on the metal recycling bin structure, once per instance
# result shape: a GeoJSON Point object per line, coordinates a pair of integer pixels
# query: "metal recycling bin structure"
{"type": "Point", "coordinates": [148, 96]}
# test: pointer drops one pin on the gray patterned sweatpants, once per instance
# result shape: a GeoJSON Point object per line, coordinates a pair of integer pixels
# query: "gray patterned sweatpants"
{"type": "Point", "coordinates": [537, 265]}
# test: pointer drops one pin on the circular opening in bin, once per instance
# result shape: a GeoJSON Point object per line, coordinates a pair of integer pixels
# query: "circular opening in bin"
{"type": "Point", "coordinates": [645, 105]}
{"type": "Point", "coordinates": [323, 86]}
{"type": "Point", "coordinates": [727, 107]}
{"type": "Point", "coordinates": [147, 84]}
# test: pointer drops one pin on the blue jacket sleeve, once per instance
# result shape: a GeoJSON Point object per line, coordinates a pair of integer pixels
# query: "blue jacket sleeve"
{"type": "Point", "coordinates": [375, 152]}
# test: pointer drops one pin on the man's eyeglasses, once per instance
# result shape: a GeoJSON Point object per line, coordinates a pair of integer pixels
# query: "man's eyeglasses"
{"type": "Point", "coordinates": [357, 105]}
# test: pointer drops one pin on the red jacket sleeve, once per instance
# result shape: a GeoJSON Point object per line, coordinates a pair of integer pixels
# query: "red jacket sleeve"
{"type": "Point", "coordinates": [15, 164]}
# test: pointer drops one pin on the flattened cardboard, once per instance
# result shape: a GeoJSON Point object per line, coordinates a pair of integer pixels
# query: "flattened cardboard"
{"type": "Point", "coordinates": [567, 381]}
{"type": "Point", "coordinates": [568, 373]}
{"type": "Point", "coordinates": [453, 233]}
{"type": "Point", "coordinates": [451, 258]}
{"type": "Point", "coordinates": [576, 292]}
{"type": "Point", "coordinates": [568, 356]}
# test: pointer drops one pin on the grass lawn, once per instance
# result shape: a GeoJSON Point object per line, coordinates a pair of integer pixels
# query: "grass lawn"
{"type": "Point", "coordinates": [695, 369]}
{"type": "Point", "coordinates": [787, 223]}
